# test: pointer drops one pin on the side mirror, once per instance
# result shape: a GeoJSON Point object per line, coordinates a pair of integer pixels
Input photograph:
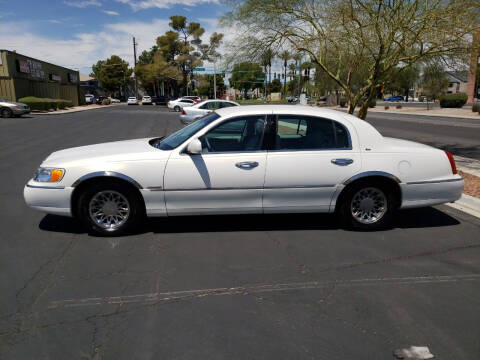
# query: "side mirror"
{"type": "Point", "coordinates": [194, 147]}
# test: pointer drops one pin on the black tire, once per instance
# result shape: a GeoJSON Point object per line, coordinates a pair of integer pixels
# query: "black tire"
{"type": "Point", "coordinates": [135, 205]}
{"type": "Point", "coordinates": [176, 108]}
{"type": "Point", "coordinates": [6, 113]}
{"type": "Point", "coordinates": [366, 189]}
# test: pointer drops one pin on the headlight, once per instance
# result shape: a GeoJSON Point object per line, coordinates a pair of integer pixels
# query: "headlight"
{"type": "Point", "coordinates": [18, 107]}
{"type": "Point", "coordinates": [48, 175]}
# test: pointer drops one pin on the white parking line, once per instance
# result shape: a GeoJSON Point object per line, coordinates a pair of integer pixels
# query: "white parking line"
{"type": "Point", "coordinates": [252, 289]}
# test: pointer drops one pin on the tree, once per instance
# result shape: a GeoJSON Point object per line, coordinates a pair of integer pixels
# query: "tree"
{"type": "Point", "coordinates": [246, 76]}
{"type": "Point", "coordinates": [275, 86]}
{"type": "Point", "coordinates": [157, 70]}
{"type": "Point", "coordinates": [285, 56]}
{"type": "Point", "coordinates": [434, 81]}
{"type": "Point", "coordinates": [112, 73]}
{"type": "Point", "coordinates": [403, 79]}
{"type": "Point", "coordinates": [146, 57]}
{"type": "Point", "coordinates": [206, 84]}
{"type": "Point", "coordinates": [345, 36]}
{"type": "Point", "coordinates": [178, 46]}
{"type": "Point", "coordinates": [266, 60]}
{"type": "Point", "coordinates": [209, 53]}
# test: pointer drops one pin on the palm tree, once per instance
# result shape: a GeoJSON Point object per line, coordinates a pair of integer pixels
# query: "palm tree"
{"type": "Point", "coordinates": [266, 60]}
{"type": "Point", "coordinates": [285, 56]}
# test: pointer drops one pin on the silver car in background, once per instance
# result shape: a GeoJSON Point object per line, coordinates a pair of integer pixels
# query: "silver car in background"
{"type": "Point", "coordinates": [192, 113]}
{"type": "Point", "coordinates": [9, 108]}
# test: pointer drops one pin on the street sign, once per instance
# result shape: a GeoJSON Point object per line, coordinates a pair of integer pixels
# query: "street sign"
{"type": "Point", "coordinates": [199, 69]}
{"type": "Point", "coordinates": [261, 79]}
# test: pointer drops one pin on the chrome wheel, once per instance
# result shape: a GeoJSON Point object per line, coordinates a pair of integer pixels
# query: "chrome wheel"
{"type": "Point", "coordinates": [109, 209]}
{"type": "Point", "coordinates": [368, 205]}
{"type": "Point", "coordinates": [6, 113]}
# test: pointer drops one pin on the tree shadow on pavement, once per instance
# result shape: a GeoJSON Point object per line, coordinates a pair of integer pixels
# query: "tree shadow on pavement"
{"type": "Point", "coordinates": [405, 219]}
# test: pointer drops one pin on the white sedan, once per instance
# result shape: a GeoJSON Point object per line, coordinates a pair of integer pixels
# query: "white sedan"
{"type": "Point", "coordinates": [178, 104]}
{"type": "Point", "coordinates": [196, 111]}
{"type": "Point", "coordinates": [132, 100]}
{"type": "Point", "coordinates": [252, 159]}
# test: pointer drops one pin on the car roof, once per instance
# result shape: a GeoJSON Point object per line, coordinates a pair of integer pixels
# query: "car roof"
{"type": "Point", "coordinates": [280, 109]}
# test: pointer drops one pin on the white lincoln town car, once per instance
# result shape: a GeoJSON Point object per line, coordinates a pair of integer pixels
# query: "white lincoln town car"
{"type": "Point", "coordinates": [252, 159]}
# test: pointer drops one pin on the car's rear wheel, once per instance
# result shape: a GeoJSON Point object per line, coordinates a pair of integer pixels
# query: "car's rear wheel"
{"type": "Point", "coordinates": [368, 206]}
{"type": "Point", "coordinates": [110, 209]}
{"type": "Point", "coordinates": [176, 108]}
{"type": "Point", "coordinates": [6, 113]}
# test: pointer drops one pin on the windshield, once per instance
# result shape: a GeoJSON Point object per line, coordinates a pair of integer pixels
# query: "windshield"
{"type": "Point", "coordinates": [182, 135]}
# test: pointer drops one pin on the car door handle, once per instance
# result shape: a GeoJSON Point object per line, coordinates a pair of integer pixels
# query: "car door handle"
{"type": "Point", "coordinates": [246, 164]}
{"type": "Point", "coordinates": [342, 162]}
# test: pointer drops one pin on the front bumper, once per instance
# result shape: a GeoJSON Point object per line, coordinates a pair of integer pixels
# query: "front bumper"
{"type": "Point", "coordinates": [48, 198]}
{"type": "Point", "coordinates": [20, 111]}
{"type": "Point", "coordinates": [431, 192]}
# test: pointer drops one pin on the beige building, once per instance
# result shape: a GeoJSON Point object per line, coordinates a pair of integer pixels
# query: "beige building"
{"type": "Point", "coordinates": [22, 76]}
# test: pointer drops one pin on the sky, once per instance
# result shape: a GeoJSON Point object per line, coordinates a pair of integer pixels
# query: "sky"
{"type": "Point", "coordinates": [78, 33]}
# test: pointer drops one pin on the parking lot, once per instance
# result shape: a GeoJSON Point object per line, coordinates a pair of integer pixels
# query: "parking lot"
{"type": "Point", "coordinates": [222, 287]}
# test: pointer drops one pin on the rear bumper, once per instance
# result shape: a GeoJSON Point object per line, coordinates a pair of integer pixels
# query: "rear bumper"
{"type": "Point", "coordinates": [49, 199]}
{"type": "Point", "coordinates": [434, 192]}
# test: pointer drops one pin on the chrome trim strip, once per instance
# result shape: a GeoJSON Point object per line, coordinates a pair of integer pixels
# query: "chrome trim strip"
{"type": "Point", "coordinates": [372, 173]}
{"type": "Point", "coordinates": [432, 181]}
{"type": "Point", "coordinates": [107, 174]}
{"type": "Point", "coordinates": [45, 187]}
{"type": "Point", "coordinates": [256, 188]}
{"type": "Point", "coordinates": [154, 188]}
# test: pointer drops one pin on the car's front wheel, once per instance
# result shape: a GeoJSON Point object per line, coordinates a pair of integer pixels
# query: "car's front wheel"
{"type": "Point", "coordinates": [110, 209]}
{"type": "Point", "coordinates": [6, 113]}
{"type": "Point", "coordinates": [176, 108]}
{"type": "Point", "coordinates": [368, 206]}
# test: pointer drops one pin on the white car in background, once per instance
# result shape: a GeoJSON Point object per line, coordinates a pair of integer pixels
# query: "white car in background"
{"type": "Point", "coordinates": [178, 104]}
{"type": "Point", "coordinates": [89, 99]}
{"type": "Point", "coordinates": [132, 100]}
{"type": "Point", "coordinates": [147, 100]}
{"type": "Point", "coordinates": [196, 111]}
{"type": "Point", "coordinates": [113, 100]}
{"type": "Point", "coordinates": [247, 159]}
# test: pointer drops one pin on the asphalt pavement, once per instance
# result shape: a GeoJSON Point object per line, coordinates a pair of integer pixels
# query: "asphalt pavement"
{"type": "Point", "coordinates": [226, 287]}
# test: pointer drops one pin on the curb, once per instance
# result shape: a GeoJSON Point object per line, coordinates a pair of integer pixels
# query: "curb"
{"type": "Point", "coordinates": [61, 112]}
{"type": "Point", "coordinates": [475, 117]}
{"type": "Point", "coordinates": [467, 204]}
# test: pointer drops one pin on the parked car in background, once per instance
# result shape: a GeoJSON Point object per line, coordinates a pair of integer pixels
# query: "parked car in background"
{"type": "Point", "coordinates": [394, 98]}
{"type": "Point", "coordinates": [113, 100]}
{"type": "Point", "coordinates": [10, 108]}
{"type": "Point", "coordinates": [247, 159]}
{"type": "Point", "coordinates": [147, 100]}
{"type": "Point", "coordinates": [178, 104]}
{"type": "Point", "coordinates": [89, 99]}
{"type": "Point", "coordinates": [132, 100]}
{"type": "Point", "coordinates": [160, 100]}
{"type": "Point", "coordinates": [197, 99]}
{"type": "Point", "coordinates": [196, 111]}
{"type": "Point", "coordinates": [99, 99]}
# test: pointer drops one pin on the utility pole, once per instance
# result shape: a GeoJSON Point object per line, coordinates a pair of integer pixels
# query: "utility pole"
{"type": "Point", "coordinates": [135, 65]}
{"type": "Point", "coordinates": [214, 81]}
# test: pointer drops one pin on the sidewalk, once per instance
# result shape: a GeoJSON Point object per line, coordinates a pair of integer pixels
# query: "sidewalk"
{"type": "Point", "coordinates": [77, 109]}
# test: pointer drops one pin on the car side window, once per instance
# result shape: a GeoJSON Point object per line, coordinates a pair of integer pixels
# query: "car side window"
{"type": "Point", "coordinates": [225, 104]}
{"type": "Point", "coordinates": [205, 106]}
{"type": "Point", "coordinates": [241, 134]}
{"type": "Point", "coordinates": [310, 133]}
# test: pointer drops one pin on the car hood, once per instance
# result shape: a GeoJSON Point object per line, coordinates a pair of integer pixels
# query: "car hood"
{"type": "Point", "coordinates": [128, 150]}
{"type": "Point", "coordinates": [13, 103]}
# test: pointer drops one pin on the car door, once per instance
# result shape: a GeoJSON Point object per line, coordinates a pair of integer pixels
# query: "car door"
{"type": "Point", "coordinates": [311, 157]}
{"type": "Point", "coordinates": [227, 177]}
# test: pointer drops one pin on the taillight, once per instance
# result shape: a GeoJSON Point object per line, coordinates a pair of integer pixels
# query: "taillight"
{"type": "Point", "coordinates": [452, 162]}
{"type": "Point", "coordinates": [183, 112]}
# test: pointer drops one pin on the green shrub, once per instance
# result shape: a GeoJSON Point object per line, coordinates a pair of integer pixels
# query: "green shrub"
{"type": "Point", "coordinates": [372, 103]}
{"type": "Point", "coordinates": [45, 104]}
{"type": "Point", "coordinates": [399, 106]}
{"type": "Point", "coordinates": [342, 102]}
{"type": "Point", "coordinates": [476, 107]}
{"type": "Point", "coordinates": [106, 102]}
{"type": "Point", "coordinates": [453, 100]}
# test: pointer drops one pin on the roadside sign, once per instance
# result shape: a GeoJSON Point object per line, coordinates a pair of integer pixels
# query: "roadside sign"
{"type": "Point", "coordinates": [261, 79]}
{"type": "Point", "coordinates": [199, 69]}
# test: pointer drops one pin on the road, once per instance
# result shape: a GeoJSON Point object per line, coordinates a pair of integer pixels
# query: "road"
{"type": "Point", "coordinates": [459, 136]}
{"type": "Point", "coordinates": [232, 287]}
